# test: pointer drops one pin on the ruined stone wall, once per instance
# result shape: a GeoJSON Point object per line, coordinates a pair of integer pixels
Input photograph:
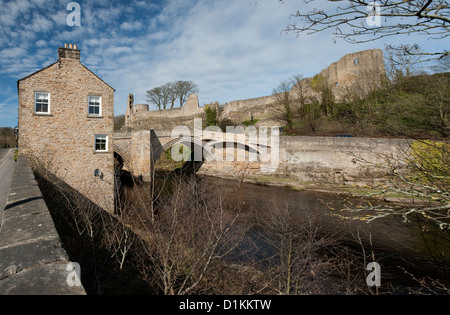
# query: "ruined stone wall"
{"type": "Point", "coordinates": [191, 108]}
{"type": "Point", "coordinates": [165, 120]}
{"type": "Point", "coordinates": [64, 139]}
{"type": "Point", "coordinates": [359, 72]}
{"type": "Point", "coordinates": [243, 109]}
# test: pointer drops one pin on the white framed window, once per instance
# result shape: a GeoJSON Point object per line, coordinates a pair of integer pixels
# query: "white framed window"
{"type": "Point", "coordinates": [94, 105]}
{"type": "Point", "coordinates": [42, 102]}
{"type": "Point", "coordinates": [101, 143]}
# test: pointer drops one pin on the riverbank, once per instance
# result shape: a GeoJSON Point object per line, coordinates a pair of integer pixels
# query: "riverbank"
{"type": "Point", "coordinates": [357, 191]}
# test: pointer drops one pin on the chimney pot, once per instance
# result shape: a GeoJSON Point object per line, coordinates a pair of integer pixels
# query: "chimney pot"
{"type": "Point", "coordinates": [69, 52]}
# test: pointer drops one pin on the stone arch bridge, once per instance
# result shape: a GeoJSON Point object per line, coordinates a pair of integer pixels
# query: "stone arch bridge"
{"type": "Point", "coordinates": [137, 151]}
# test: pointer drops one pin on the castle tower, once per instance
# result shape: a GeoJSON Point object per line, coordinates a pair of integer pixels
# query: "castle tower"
{"type": "Point", "coordinates": [129, 111]}
{"type": "Point", "coordinates": [360, 72]}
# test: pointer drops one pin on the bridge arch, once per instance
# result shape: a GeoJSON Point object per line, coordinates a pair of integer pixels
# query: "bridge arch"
{"type": "Point", "coordinates": [205, 147]}
{"type": "Point", "coordinates": [121, 155]}
{"type": "Point", "coordinates": [194, 144]}
{"type": "Point", "coordinates": [138, 152]}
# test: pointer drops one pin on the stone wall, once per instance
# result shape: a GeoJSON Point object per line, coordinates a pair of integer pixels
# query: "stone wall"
{"type": "Point", "coordinates": [337, 160]}
{"type": "Point", "coordinates": [242, 110]}
{"type": "Point", "coordinates": [319, 159]}
{"type": "Point", "coordinates": [359, 72]}
{"type": "Point", "coordinates": [64, 139]}
{"type": "Point", "coordinates": [33, 261]}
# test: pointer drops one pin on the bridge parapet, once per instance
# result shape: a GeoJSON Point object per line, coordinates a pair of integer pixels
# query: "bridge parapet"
{"type": "Point", "coordinates": [32, 259]}
{"type": "Point", "coordinates": [139, 150]}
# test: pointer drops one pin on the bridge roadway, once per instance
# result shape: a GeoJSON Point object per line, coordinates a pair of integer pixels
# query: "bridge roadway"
{"type": "Point", "coordinates": [32, 259]}
{"type": "Point", "coordinates": [7, 165]}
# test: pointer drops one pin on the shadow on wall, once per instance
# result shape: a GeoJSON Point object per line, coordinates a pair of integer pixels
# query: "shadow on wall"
{"type": "Point", "coordinates": [89, 235]}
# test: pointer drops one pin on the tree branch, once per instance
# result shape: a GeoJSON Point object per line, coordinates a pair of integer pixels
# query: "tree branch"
{"type": "Point", "coordinates": [349, 21]}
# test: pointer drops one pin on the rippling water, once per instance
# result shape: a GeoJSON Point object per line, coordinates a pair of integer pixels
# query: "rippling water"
{"type": "Point", "coordinates": [416, 246]}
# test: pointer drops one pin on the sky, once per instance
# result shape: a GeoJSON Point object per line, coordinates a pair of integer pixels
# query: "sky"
{"type": "Point", "coordinates": [232, 49]}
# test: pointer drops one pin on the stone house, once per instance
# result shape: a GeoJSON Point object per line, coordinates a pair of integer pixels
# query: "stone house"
{"type": "Point", "coordinates": [66, 122]}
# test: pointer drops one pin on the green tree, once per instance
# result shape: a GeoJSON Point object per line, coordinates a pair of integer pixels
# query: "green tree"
{"type": "Point", "coordinates": [211, 114]}
{"type": "Point", "coordinates": [319, 83]}
{"type": "Point", "coordinates": [313, 114]}
{"type": "Point", "coordinates": [417, 107]}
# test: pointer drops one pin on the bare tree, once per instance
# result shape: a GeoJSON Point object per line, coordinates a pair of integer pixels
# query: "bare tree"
{"type": "Point", "coordinates": [284, 99]}
{"type": "Point", "coordinates": [182, 89]}
{"type": "Point", "coordinates": [156, 97]}
{"type": "Point", "coordinates": [420, 174]}
{"type": "Point", "coordinates": [360, 21]}
{"type": "Point", "coordinates": [187, 239]}
{"type": "Point", "coordinates": [299, 93]}
{"type": "Point", "coordinates": [302, 255]}
{"type": "Point", "coordinates": [169, 88]}
{"type": "Point", "coordinates": [166, 94]}
{"type": "Point", "coordinates": [443, 64]}
{"type": "Point", "coordinates": [400, 65]}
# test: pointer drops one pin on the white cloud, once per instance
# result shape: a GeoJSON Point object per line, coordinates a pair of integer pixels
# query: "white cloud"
{"type": "Point", "coordinates": [232, 49]}
{"type": "Point", "coordinates": [127, 26]}
{"type": "Point", "coordinates": [12, 53]}
{"type": "Point", "coordinates": [13, 11]}
{"type": "Point", "coordinates": [41, 43]}
{"type": "Point", "coordinates": [39, 23]}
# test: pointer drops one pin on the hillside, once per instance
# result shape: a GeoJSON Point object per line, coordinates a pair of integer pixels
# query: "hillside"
{"type": "Point", "coordinates": [417, 107]}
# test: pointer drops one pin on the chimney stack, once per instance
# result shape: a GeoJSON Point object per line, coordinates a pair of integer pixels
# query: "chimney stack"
{"type": "Point", "coordinates": [69, 52]}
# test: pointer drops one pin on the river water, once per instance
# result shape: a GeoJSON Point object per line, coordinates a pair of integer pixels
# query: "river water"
{"type": "Point", "coordinates": [415, 246]}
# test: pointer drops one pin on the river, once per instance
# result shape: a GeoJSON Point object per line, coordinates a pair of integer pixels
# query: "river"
{"type": "Point", "coordinates": [417, 247]}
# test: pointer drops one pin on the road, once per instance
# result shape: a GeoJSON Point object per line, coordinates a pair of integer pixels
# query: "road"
{"type": "Point", "coordinates": [7, 165]}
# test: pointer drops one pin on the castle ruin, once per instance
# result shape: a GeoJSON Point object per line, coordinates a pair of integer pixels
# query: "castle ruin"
{"type": "Point", "coordinates": [359, 72]}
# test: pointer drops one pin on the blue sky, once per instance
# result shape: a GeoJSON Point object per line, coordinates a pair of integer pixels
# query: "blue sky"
{"type": "Point", "coordinates": [232, 49]}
